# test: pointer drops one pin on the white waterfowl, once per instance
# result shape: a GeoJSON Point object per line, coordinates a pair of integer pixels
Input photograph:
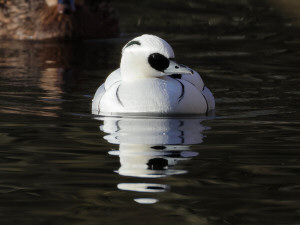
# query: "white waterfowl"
{"type": "Point", "coordinates": [149, 80]}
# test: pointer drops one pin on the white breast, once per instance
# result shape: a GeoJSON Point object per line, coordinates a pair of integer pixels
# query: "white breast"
{"type": "Point", "coordinates": [153, 95]}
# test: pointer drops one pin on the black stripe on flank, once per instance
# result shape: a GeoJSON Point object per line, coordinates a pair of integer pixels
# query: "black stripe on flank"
{"type": "Point", "coordinates": [99, 107]}
{"type": "Point", "coordinates": [179, 76]}
{"type": "Point", "coordinates": [207, 109]}
{"type": "Point", "coordinates": [113, 84]}
{"type": "Point", "coordinates": [182, 92]}
{"type": "Point", "coordinates": [182, 88]}
{"type": "Point", "coordinates": [118, 97]}
{"type": "Point", "coordinates": [206, 103]}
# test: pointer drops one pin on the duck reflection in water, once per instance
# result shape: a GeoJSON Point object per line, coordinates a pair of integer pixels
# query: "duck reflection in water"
{"type": "Point", "coordinates": [151, 148]}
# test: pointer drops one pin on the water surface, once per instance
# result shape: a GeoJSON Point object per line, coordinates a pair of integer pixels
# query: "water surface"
{"type": "Point", "coordinates": [61, 165]}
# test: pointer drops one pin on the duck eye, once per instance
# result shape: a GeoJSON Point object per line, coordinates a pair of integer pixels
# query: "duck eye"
{"type": "Point", "coordinates": [158, 62]}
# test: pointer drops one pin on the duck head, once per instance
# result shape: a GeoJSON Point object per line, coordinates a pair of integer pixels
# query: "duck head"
{"type": "Point", "coordinates": [149, 56]}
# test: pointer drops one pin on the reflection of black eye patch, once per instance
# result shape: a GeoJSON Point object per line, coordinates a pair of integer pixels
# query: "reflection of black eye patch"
{"type": "Point", "coordinates": [132, 43]}
{"type": "Point", "coordinates": [158, 61]}
{"type": "Point", "coordinates": [157, 164]}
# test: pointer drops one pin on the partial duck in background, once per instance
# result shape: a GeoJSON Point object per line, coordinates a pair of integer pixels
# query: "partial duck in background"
{"type": "Point", "coordinates": [57, 19]}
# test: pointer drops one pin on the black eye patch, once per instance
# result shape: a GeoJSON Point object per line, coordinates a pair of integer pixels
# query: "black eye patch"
{"type": "Point", "coordinates": [158, 62]}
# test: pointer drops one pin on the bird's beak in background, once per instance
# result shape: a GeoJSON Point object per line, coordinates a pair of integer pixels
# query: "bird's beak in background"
{"type": "Point", "coordinates": [66, 6]}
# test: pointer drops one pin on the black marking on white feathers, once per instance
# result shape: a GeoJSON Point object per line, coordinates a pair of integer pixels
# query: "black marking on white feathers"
{"type": "Point", "coordinates": [206, 102]}
{"type": "Point", "coordinates": [118, 97]}
{"type": "Point", "coordinates": [182, 86]}
{"type": "Point", "coordinates": [158, 61]}
{"type": "Point", "coordinates": [182, 92]}
{"type": "Point", "coordinates": [132, 43]}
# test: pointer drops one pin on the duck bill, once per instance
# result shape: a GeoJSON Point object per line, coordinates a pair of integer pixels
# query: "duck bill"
{"type": "Point", "coordinates": [66, 6]}
{"type": "Point", "coordinates": [175, 68]}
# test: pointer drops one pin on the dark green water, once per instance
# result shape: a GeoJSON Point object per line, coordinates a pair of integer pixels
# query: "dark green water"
{"type": "Point", "coordinates": [59, 165]}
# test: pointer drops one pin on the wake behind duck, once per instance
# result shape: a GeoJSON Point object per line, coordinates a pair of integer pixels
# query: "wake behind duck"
{"type": "Point", "coordinates": [149, 80]}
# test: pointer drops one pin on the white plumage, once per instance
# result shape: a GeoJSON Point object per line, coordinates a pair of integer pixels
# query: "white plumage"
{"type": "Point", "coordinates": [149, 80]}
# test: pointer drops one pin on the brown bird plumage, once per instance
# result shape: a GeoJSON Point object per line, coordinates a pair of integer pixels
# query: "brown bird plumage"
{"type": "Point", "coordinates": [41, 19]}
